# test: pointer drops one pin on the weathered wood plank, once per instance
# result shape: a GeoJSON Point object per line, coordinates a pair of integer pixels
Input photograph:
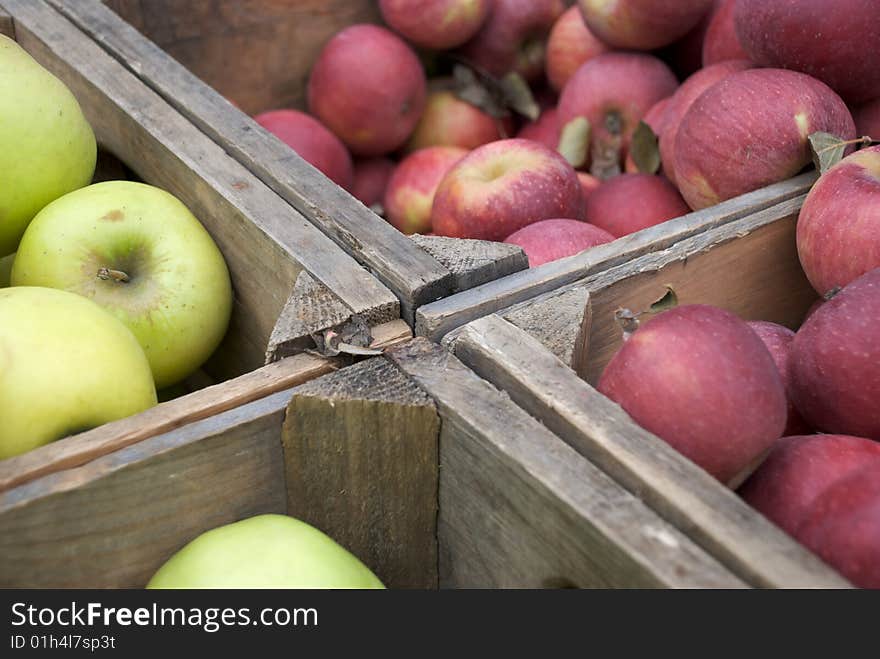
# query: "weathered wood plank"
{"type": "Point", "coordinates": [7, 27]}
{"type": "Point", "coordinates": [712, 515]}
{"type": "Point", "coordinates": [87, 446]}
{"type": "Point", "coordinates": [518, 507]}
{"type": "Point", "coordinates": [114, 521]}
{"type": "Point", "coordinates": [360, 450]}
{"type": "Point", "coordinates": [410, 272]}
{"type": "Point", "coordinates": [473, 262]}
{"type": "Point", "coordinates": [436, 319]}
{"type": "Point", "coordinates": [265, 242]}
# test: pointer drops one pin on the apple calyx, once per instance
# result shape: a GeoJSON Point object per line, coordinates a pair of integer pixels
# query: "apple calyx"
{"type": "Point", "coordinates": [108, 274]}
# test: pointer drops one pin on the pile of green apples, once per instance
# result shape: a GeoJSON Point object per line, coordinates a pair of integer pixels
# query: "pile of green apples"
{"type": "Point", "coordinates": [108, 292]}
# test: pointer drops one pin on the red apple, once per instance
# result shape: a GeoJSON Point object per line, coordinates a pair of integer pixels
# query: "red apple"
{"type": "Point", "coordinates": [449, 121]}
{"type": "Point", "coordinates": [589, 184]}
{"type": "Point", "coordinates": [778, 341]}
{"type": "Point", "coordinates": [642, 24]}
{"type": "Point", "coordinates": [545, 129]}
{"type": "Point", "coordinates": [369, 88]}
{"type": "Point", "coordinates": [834, 42]}
{"type": "Point", "coordinates": [655, 117]}
{"type": "Point", "coordinates": [799, 469]}
{"type": "Point", "coordinates": [843, 526]}
{"type": "Point", "coordinates": [570, 45]}
{"type": "Point", "coordinates": [834, 362]}
{"type": "Point", "coordinates": [436, 24]}
{"type": "Point", "coordinates": [685, 55]}
{"type": "Point", "coordinates": [370, 179]}
{"type": "Point", "coordinates": [504, 186]}
{"type": "Point", "coordinates": [838, 229]}
{"type": "Point", "coordinates": [751, 130]}
{"type": "Point", "coordinates": [630, 202]}
{"type": "Point", "coordinates": [549, 240]}
{"type": "Point", "coordinates": [700, 379]}
{"type": "Point", "coordinates": [867, 118]}
{"type": "Point", "coordinates": [410, 192]}
{"type": "Point", "coordinates": [614, 91]}
{"type": "Point", "coordinates": [514, 38]}
{"type": "Point", "coordinates": [721, 42]}
{"type": "Point", "coordinates": [312, 141]}
{"type": "Point", "coordinates": [682, 100]}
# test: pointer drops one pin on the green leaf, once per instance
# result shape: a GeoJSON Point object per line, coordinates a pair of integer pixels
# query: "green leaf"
{"type": "Point", "coordinates": [668, 301]}
{"type": "Point", "coordinates": [518, 96]}
{"type": "Point", "coordinates": [827, 150]}
{"type": "Point", "coordinates": [574, 141]}
{"type": "Point", "coordinates": [644, 149]}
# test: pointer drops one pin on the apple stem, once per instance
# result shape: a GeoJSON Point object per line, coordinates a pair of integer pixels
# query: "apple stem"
{"type": "Point", "coordinates": [115, 275]}
{"type": "Point", "coordinates": [864, 140]}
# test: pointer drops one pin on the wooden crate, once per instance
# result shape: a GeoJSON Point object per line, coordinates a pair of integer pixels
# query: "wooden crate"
{"type": "Point", "coordinates": [428, 473]}
{"type": "Point", "coordinates": [289, 280]}
{"type": "Point", "coordinates": [548, 352]}
{"type": "Point", "coordinates": [260, 53]}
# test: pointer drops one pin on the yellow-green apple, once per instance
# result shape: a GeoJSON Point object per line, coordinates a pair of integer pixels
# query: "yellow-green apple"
{"type": "Point", "coordinates": [614, 91]}
{"type": "Point", "coordinates": [545, 129]}
{"type": "Point", "coordinates": [436, 24]}
{"type": "Point", "coordinates": [450, 121]}
{"type": "Point", "coordinates": [6, 269]}
{"type": "Point", "coordinates": [549, 240]}
{"type": "Point", "coordinates": [762, 117]}
{"type": "Point", "coordinates": [410, 192]}
{"type": "Point", "coordinates": [721, 42]}
{"type": "Point", "coordinates": [843, 526]}
{"type": "Point", "coordinates": [47, 147]}
{"type": "Point", "coordinates": [778, 340]}
{"type": "Point", "coordinates": [369, 88]}
{"type": "Point", "coordinates": [656, 119]}
{"type": "Point", "coordinates": [681, 101]}
{"type": "Point", "coordinates": [370, 179]}
{"type": "Point", "coordinates": [589, 184]}
{"type": "Point", "coordinates": [697, 377]}
{"type": "Point", "coordinates": [312, 141]}
{"type": "Point", "coordinates": [140, 254]}
{"type": "Point", "coordinates": [628, 203]}
{"type": "Point", "coordinates": [504, 186]}
{"type": "Point", "coordinates": [642, 24]}
{"type": "Point", "coordinates": [838, 228]}
{"type": "Point", "coordinates": [266, 551]}
{"type": "Point", "coordinates": [834, 358]}
{"type": "Point", "coordinates": [514, 37]}
{"type": "Point", "coordinates": [867, 118]}
{"type": "Point", "coordinates": [799, 469]}
{"type": "Point", "coordinates": [570, 45]}
{"type": "Point", "coordinates": [66, 365]}
{"type": "Point", "coordinates": [834, 42]}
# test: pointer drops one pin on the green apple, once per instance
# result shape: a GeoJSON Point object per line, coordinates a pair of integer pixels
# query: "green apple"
{"type": "Point", "coordinates": [267, 551]}
{"type": "Point", "coordinates": [6, 269]}
{"type": "Point", "coordinates": [138, 252]}
{"type": "Point", "coordinates": [47, 147]}
{"type": "Point", "coordinates": [66, 365]}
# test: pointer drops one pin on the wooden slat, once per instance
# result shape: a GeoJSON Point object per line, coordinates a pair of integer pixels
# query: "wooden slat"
{"type": "Point", "coordinates": [436, 319]}
{"type": "Point", "coordinates": [712, 515]}
{"type": "Point", "coordinates": [410, 272]}
{"type": "Point", "coordinates": [79, 449]}
{"type": "Point", "coordinates": [518, 507]}
{"type": "Point", "coordinates": [473, 262]}
{"type": "Point", "coordinates": [360, 450]}
{"type": "Point", "coordinates": [7, 27]}
{"type": "Point", "coordinates": [265, 242]}
{"type": "Point", "coordinates": [113, 522]}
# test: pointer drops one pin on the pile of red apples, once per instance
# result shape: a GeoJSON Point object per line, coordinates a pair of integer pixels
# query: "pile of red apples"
{"type": "Point", "coordinates": [642, 110]}
{"type": "Point", "coordinates": [724, 93]}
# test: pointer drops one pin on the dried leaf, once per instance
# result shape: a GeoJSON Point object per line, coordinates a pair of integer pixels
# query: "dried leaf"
{"type": "Point", "coordinates": [666, 302]}
{"type": "Point", "coordinates": [644, 149]}
{"type": "Point", "coordinates": [605, 158]}
{"type": "Point", "coordinates": [479, 91]}
{"type": "Point", "coordinates": [518, 96]}
{"type": "Point", "coordinates": [827, 150]}
{"type": "Point", "coordinates": [574, 142]}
